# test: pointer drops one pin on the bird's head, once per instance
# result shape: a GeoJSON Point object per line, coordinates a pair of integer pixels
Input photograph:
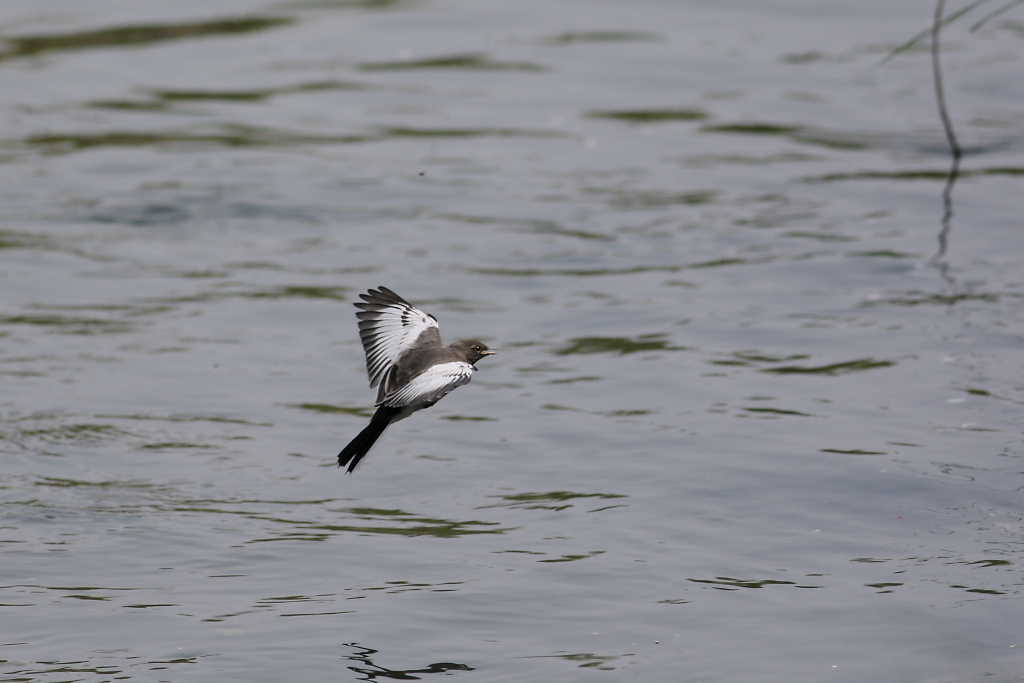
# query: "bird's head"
{"type": "Point", "coordinates": [473, 349]}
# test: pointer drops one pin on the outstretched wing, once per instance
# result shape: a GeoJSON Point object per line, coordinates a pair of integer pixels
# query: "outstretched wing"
{"type": "Point", "coordinates": [430, 385]}
{"type": "Point", "coordinates": [389, 326]}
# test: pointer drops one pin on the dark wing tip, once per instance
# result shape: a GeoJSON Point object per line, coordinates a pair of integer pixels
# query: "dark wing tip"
{"type": "Point", "coordinates": [381, 295]}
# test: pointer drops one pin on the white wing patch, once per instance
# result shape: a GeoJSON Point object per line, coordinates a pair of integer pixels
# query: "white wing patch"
{"type": "Point", "coordinates": [388, 327]}
{"type": "Point", "coordinates": [430, 385]}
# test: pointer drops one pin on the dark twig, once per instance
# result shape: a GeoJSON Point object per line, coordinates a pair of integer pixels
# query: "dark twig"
{"type": "Point", "coordinates": [954, 145]}
{"type": "Point", "coordinates": [932, 31]}
{"type": "Point", "coordinates": [992, 15]}
{"type": "Point", "coordinates": [940, 92]}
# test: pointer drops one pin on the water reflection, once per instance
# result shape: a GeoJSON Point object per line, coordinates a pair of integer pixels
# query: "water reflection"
{"type": "Point", "coordinates": [587, 660]}
{"type": "Point", "coordinates": [619, 345]}
{"type": "Point", "coordinates": [727, 583]}
{"type": "Point", "coordinates": [574, 558]}
{"type": "Point", "coordinates": [140, 34]}
{"type": "Point", "coordinates": [226, 135]}
{"type": "Point", "coordinates": [650, 115]}
{"type": "Point", "coordinates": [832, 369]}
{"type": "Point", "coordinates": [166, 100]}
{"type": "Point", "coordinates": [66, 324]}
{"type": "Point", "coordinates": [389, 522]}
{"type": "Point", "coordinates": [246, 136]}
{"type": "Point", "coordinates": [371, 671]}
{"type": "Point", "coordinates": [472, 62]}
{"type": "Point", "coordinates": [603, 37]}
{"type": "Point", "coordinates": [551, 500]}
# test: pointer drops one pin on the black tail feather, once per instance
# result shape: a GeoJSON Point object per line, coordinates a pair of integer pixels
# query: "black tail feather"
{"type": "Point", "coordinates": [361, 445]}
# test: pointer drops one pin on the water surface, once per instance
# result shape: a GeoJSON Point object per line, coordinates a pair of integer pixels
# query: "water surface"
{"type": "Point", "coordinates": [747, 422]}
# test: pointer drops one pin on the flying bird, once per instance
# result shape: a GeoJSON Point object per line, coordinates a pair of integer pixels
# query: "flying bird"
{"type": "Point", "coordinates": [407, 362]}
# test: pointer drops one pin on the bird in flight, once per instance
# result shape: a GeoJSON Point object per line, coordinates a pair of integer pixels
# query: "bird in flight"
{"type": "Point", "coordinates": [408, 363]}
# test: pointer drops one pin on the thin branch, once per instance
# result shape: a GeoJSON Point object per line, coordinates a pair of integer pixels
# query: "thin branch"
{"type": "Point", "coordinates": [988, 17]}
{"type": "Point", "coordinates": [954, 144]}
{"type": "Point", "coordinates": [940, 93]}
{"type": "Point", "coordinates": [932, 30]}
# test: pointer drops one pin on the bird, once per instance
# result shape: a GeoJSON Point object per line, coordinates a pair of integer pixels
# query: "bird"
{"type": "Point", "coordinates": [407, 362]}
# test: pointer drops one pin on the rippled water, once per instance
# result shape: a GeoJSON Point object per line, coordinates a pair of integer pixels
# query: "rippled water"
{"type": "Point", "coordinates": [747, 423]}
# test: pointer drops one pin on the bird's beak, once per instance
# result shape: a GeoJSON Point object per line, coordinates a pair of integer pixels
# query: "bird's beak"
{"type": "Point", "coordinates": [488, 352]}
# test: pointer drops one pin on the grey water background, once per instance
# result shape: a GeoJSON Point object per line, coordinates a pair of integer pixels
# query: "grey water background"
{"type": "Point", "coordinates": [743, 426]}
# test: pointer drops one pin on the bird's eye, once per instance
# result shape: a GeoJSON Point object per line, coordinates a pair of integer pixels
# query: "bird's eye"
{"type": "Point", "coordinates": [476, 348]}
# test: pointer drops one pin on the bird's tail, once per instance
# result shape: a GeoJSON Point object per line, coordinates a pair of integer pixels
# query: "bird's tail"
{"type": "Point", "coordinates": [361, 445]}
